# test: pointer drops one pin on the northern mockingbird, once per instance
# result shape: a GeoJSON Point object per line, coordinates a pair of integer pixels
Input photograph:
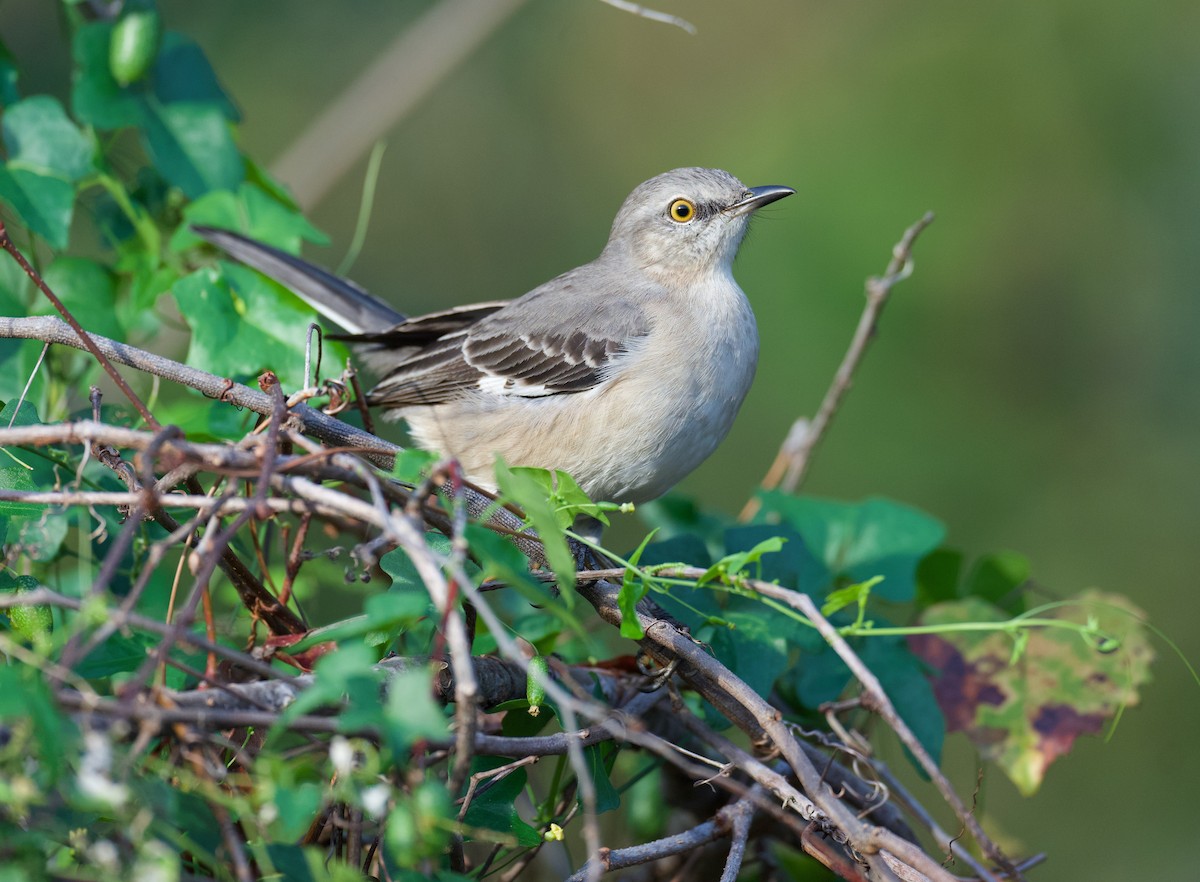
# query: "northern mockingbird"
{"type": "Point", "coordinates": [625, 372]}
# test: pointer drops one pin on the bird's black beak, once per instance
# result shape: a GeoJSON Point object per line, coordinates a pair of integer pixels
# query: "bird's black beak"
{"type": "Point", "coordinates": [759, 196]}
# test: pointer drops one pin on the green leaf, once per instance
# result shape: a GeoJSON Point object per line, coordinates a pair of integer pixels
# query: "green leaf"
{"type": "Point", "coordinates": [298, 804]}
{"type": "Point", "coordinates": [494, 807]}
{"type": "Point", "coordinates": [192, 147]}
{"type": "Point", "coordinates": [1023, 711]}
{"type": "Point", "coordinates": [857, 541]}
{"type": "Point", "coordinates": [291, 862]}
{"type": "Point", "coordinates": [793, 565]}
{"type": "Point", "coordinates": [44, 204]}
{"type": "Point", "coordinates": [607, 797]}
{"type": "Point", "coordinates": [937, 576]}
{"type": "Point", "coordinates": [905, 680]}
{"type": "Point", "coordinates": [17, 478]}
{"type": "Point", "coordinates": [41, 138]}
{"type": "Point", "coordinates": [118, 654]}
{"type": "Point", "coordinates": [346, 676]}
{"type": "Point", "coordinates": [397, 564]}
{"type": "Point", "coordinates": [753, 646]}
{"type": "Point", "coordinates": [242, 324]}
{"type": "Point", "coordinates": [180, 109]}
{"type": "Point", "coordinates": [26, 415]}
{"type": "Point", "coordinates": [413, 465]}
{"type": "Point", "coordinates": [252, 211]}
{"type": "Point", "coordinates": [386, 614]}
{"type": "Point", "coordinates": [410, 713]}
{"type": "Point", "coordinates": [819, 676]}
{"type": "Point", "coordinates": [96, 98]}
{"type": "Point", "coordinates": [851, 594]}
{"type": "Point", "coordinates": [997, 577]}
{"type": "Point", "coordinates": [566, 498]}
{"type": "Point", "coordinates": [418, 827]}
{"type": "Point", "coordinates": [183, 75]}
{"type": "Point", "coordinates": [633, 589]}
{"type": "Point", "coordinates": [88, 290]}
{"type": "Point", "coordinates": [728, 568]}
{"type": "Point", "coordinates": [25, 700]}
{"type": "Point", "coordinates": [521, 487]}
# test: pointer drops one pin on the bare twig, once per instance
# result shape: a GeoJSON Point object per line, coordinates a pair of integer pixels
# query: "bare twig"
{"type": "Point", "coordinates": [792, 461]}
{"type": "Point", "coordinates": [404, 74]}
{"type": "Point", "coordinates": [652, 14]}
{"type": "Point", "coordinates": [738, 817]}
{"type": "Point", "coordinates": [88, 343]}
{"type": "Point", "coordinates": [882, 705]}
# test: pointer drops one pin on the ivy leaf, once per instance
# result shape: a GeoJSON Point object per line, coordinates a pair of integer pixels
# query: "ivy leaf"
{"type": "Point", "coordinates": [633, 589]}
{"type": "Point", "coordinates": [905, 680]}
{"type": "Point", "coordinates": [495, 806]}
{"type": "Point", "coordinates": [996, 578]}
{"type": "Point", "coordinates": [47, 155]}
{"type": "Point", "coordinates": [180, 109]}
{"type": "Point", "coordinates": [530, 494]}
{"type": "Point", "coordinates": [88, 290]}
{"type": "Point", "coordinates": [410, 713]}
{"type": "Point", "coordinates": [41, 138]}
{"type": "Point", "coordinates": [1025, 712]}
{"type": "Point", "coordinates": [345, 677]}
{"type": "Point", "coordinates": [857, 593]}
{"type": "Point", "coordinates": [386, 615]}
{"type": "Point", "coordinates": [857, 541]}
{"type": "Point", "coordinates": [242, 323]}
{"type": "Point", "coordinates": [728, 568]}
{"type": "Point", "coordinates": [192, 147]}
{"type": "Point", "coordinates": [607, 798]}
{"type": "Point", "coordinates": [937, 576]}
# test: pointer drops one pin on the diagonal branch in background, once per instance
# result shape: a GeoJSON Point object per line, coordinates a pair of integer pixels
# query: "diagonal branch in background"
{"type": "Point", "coordinates": [397, 81]}
{"type": "Point", "coordinates": [792, 461]}
{"type": "Point", "coordinates": [88, 342]}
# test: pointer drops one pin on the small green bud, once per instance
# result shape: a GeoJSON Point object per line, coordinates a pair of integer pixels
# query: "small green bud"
{"type": "Point", "coordinates": [535, 683]}
{"type": "Point", "coordinates": [133, 45]}
{"type": "Point", "coordinates": [30, 622]}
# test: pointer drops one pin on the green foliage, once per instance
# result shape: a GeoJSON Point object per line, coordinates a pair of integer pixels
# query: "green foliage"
{"type": "Point", "coordinates": [101, 185]}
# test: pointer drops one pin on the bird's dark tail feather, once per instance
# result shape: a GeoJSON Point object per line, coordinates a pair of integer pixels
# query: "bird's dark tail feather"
{"type": "Point", "coordinates": [336, 298]}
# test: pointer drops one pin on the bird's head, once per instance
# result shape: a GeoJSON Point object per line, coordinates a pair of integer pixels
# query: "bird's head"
{"type": "Point", "coordinates": [687, 222]}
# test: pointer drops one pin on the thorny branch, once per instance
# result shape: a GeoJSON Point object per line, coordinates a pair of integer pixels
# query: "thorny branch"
{"type": "Point", "coordinates": [803, 794]}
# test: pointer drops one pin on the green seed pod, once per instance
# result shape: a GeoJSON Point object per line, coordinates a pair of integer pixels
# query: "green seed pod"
{"type": "Point", "coordinates": [535, 683]}
{"type": "Point", "coordinates": [30, 622]}
{"type": "Point", "coordinates": [133, 46]}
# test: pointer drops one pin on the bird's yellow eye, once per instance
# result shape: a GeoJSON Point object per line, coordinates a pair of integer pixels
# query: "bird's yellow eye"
{"type": "Point", "coordinates": [682, 210]}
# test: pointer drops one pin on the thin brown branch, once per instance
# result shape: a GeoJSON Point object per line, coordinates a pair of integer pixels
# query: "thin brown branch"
{"type": "Point", "coordinates": [737, 818]}
{"type": "Point", "coordinates": [882, 705]}
{"type": "Point", "coordinates": [88, 342]}
{"type": "Point", "coordinates": [792, 461]}
{"type": "Point", "coordinates": [311, 421]}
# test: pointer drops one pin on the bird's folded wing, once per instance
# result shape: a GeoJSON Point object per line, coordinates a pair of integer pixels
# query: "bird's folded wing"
{"type": "Point", "coordinates": [534, 348]}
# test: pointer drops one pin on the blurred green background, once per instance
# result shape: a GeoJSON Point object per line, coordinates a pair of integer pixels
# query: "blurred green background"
{"type": "Point", "coordinates": [1035, 384]}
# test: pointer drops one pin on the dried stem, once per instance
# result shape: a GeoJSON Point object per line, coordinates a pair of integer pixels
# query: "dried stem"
{"type": "Point", "coordinates": [792, 462]}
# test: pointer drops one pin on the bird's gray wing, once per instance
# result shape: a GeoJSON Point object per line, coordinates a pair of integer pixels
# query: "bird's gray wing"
{"type": "Point", "coordinates": [558, 339]}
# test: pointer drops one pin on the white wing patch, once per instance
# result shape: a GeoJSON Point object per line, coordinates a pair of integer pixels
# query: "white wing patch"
{"type": "Point", "coordinates": [508, 388]}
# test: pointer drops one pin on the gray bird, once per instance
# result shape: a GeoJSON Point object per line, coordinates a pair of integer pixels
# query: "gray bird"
{"type": "Point", "coordinates": [626, 372]}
